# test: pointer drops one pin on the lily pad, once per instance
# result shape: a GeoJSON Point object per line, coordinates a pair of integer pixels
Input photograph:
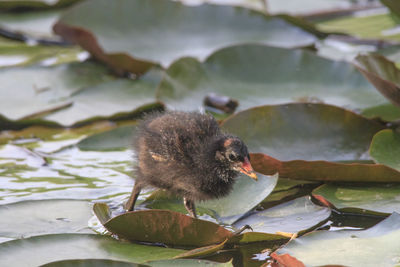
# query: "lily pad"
{"type": "Point", "coordinates": [65, 94]}
{"type": "Point", "coordinates": [30, 218]}
{"type": "Point", "coordinates": [115, 139]}
{"type": "Point", "coordinates": [188, 263]}
{"type": "Point", "coordinates": [386, 112]}
{"type": "Point", "coordinates": [34, 4]}
{"type": "Point", "coordinates": [324, 170]}
{"type": "Point", "coordinates": [290, 217]}
{"type": "Point", "coordinates": [92, 263]}
{"type": "Point", "coordinates": [173, 30]}
{"type": "Point", "coordinates": [385, 148]}
{"type": "Point", "coordinates": [246, 194]}
{"type": "Point", "coordinates": [304, 131]}
{"type": "Point", "coordinates": [370, 246]}
{"type": "Point", "coordinates": [380, 25]}
{"type": "Point", "coordinates": [261, 75]}
{"type": "Point", "coordinates": [382, 73]}
{"type": "Point", "coordinates": [35, 251]}
{"type": "Point", "coordinates": [227, 209]}
{"type": "Point", "coordinates": [376, 198]}
{"type": "Point", "coordinates": [168, 227]}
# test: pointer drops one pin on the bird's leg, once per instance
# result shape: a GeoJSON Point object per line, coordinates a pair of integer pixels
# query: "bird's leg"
{"type": "Point", "coordinates": [130, 205]}
{"type": "Point", "coordinates": [189, 205]}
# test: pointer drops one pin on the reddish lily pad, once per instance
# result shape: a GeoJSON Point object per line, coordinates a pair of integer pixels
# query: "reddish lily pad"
{"type": "Point", "coordinates": [324, 170]}
{"type": "Point", "coordinates": [168, 227]}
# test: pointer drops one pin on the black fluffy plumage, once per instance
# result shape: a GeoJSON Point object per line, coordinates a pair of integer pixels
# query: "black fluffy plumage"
{"type": "Point", "coordinates": [187, 154]}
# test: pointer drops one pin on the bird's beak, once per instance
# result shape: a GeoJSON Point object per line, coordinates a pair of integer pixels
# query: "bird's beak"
{"type": "Point", "coordinates": [247, 169]}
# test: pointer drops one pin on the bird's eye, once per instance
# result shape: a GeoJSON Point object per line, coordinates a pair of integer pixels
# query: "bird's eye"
{"type": "Point", "coordinates": [232, 157]}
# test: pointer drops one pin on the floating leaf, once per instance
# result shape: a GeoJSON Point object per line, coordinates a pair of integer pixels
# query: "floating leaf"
{"type": "Point", "coordinates": [385, 148]}
{"type": "Point", "coordinates": [35, 251]}
{"type": "Point", "coordinates": [382, 73]}
{"type": "Point", "coordinates": [29, 218]}
{"type": "Point", "coordinates": [65, 94]}
{"type": "Point", "coordinates": [370, 246]}
{"type": "Point", "coordinates": [261, 75]}
{"type": "Point", "coordinates": [290, 217]}
{"type": "Point", "coordinates": [34, 4]}
{"type": "Point", "coordinates": [246, 194]}
{"type": "Point", "coordinates": [324, 170]}
{"type": "Point", "coordinates": [115, 139]}
{"type": "Point", "coordinates": [173, 29]}
{"type": "Point", "coordinates": [168, 227]}
{"type": "Point", "coordinates": [92, 263]}
{"type": "Point", "coordinates": [376, 198]}
{"type": "Point", "coordinates": [201, 252]}
{"type": "Point", "coordinates": [188, 263]}
{"type": "Point", "coordinates": [370, 26]}
{"type": "Point", "coordinates": [303, 131]}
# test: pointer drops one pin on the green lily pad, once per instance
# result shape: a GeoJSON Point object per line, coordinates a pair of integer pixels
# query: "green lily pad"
{"type": "Point", "coordinates": [370, 26]}
{"type": "Point", "coordinates": [201, 252]}
{"type": "Point", "coordinates": [382, 73]}
{"type": "Point", "coordinates": [35, 251]}
{"type": "Point", "coordinates": [377, 198]}
{"type": "Point", "coordinates": [385, 148]}
{"type": "Point", "coordinates": [260, 75]}
{"type": "Point", "coordinates": [173, 30]}
{"type": "Point", "coordinates": [13, 53]}
{"type": "Point", "coordinates": [304, 131]}
{"type": "Point", "coordinates": [32, 25]}
{"type": "Point", "coordinates": [30, 218]}
{"type": "Point", "coordinates": [227, 209]}
{"type": "Point", "coordinates": [34, 4]}
{"type": "Point", "coordinates": [115, 139]}
{"type": "Point", "coordinates": [188, 263]}
{"type": "Point", "coordinates": [377, 246]}
{"type": "Point", "coordinates": [65, 94]}
{"type": "Point", "coordinates": [168, 227]}
{"type": "Point", "coordinates": [290, 217]}
{"type": "Point", "coordinates": [246, 194]}
{"type": "Point", "coordinates": [92, 263]}
{"type": "Point", "coordinates": [386, 112]}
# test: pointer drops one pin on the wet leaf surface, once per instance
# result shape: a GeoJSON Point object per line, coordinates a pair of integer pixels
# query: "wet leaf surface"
{"type": "Point", "coordinates": [304, 131]}
{"type": "Point", "coordinates": [225, 210]}
{"type": "Point", "coordinates": [370, 246]}
{"type": "Point", "coordinates": [385, 148]}
{"type": "Point", "coordinates": [290, 217]}
{"type": "Point", "coordinates": [30, 218]}
{"type": "Point", "coordinates": [376, 198]}
{"type": "Point", "coordinates": [35, 251]}
{"type": "Point", "coordinates": [92, 263]}
{"type": "Point", "coordinates": [324, 170]}
{"type": "Point", "coordinates": [64, 94]}
{"type": "Point", "coordinates": [382, 73]}
{"type": "Point", "coordinates": [157, 23]}
{"type": "Point", "coordinates": [167, 227]}
{"type": "Point", "coordinates": [260, 75]}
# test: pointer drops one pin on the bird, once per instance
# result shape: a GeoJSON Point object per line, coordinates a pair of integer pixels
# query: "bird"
{"type": "Point", "coordinates": [187, 154]}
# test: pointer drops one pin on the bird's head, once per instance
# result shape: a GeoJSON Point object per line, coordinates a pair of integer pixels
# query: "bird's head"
{"type": "Point", "coordinates": [232, 152]}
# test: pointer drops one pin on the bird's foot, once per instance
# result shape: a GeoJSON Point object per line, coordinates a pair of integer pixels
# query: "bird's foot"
{"type": "Point", "coordinates": [245, 227]}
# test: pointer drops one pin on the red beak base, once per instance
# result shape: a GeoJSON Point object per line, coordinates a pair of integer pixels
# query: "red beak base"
{"type": "Point", "coordinates": [247, 169]}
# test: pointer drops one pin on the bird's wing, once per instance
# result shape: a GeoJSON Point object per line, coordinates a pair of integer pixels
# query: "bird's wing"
{"type": "Point", "coordinates": [157, 157]}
